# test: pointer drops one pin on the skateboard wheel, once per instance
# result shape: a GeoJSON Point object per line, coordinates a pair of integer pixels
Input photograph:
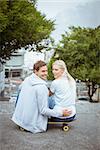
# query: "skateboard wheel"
{"type": "Point", "coordinates": [22, 129]}
{"type": "Point", "coordinates": [65, 128]}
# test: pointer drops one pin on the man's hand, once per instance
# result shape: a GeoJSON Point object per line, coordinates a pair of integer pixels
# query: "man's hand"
{"type": "Point", "coordinates": [66, 112]}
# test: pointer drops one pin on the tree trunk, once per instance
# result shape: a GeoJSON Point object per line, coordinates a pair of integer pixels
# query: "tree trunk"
{"type": "Point", "coordinates": [91, 90]}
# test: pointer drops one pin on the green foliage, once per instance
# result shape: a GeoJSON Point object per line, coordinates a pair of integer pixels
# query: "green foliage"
{"type": "Point", "coordinates": [3, 15]}
{"type": "Point", "coordinates": [20, 25]}
{"type": "Point", "coordinates": [80, 49]}
{"type": "Point", "coordinates": [50, 74]}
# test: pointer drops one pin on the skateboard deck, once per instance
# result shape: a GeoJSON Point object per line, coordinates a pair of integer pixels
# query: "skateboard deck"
{"type": "Point", "coordinates": [65, 125]}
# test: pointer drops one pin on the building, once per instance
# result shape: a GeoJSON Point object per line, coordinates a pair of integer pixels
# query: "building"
{"type": "Point", "coordinates": [14, 66]}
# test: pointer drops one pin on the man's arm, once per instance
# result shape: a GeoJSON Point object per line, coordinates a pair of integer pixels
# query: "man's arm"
{"type": "Point", "coordinates": [42, 99]}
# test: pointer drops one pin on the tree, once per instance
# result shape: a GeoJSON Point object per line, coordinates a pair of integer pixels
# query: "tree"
{"type": "Point", "coordinates": [80, 49]}
{"type": "Point", "coordinates": [21, 25]}
{"type": "Point", "coordinates": [50, 74]}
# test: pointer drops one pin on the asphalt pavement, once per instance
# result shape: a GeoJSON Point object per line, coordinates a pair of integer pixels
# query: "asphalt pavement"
{"type": "Point", "coordinates": [84, 133]}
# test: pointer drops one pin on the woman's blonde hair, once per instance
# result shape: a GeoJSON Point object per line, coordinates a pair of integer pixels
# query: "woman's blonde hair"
{"type": "Point", "coordinates": [61, 64]}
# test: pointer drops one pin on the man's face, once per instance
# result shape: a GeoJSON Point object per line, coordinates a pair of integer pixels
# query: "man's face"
{"type": "Point", "coordinates": [42, 73]}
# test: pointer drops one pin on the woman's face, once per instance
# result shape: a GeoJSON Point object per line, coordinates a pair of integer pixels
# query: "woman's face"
{"type": "Point", "coordinates": [57, 72]}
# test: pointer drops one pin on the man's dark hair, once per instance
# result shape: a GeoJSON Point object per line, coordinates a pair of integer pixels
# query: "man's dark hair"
{"type": "Point", "coordinates": [38, 65]}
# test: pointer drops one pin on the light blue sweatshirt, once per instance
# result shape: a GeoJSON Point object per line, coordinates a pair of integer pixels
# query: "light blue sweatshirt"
{"type": "Point", "coordinates": [32, 110]}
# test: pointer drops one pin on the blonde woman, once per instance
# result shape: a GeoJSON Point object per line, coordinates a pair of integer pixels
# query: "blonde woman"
{"type": "Point", "coordinates": [63, 89]}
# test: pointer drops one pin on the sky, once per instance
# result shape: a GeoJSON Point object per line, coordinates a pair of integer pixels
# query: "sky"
{"type": "Point", "coordinates": [84, 13]}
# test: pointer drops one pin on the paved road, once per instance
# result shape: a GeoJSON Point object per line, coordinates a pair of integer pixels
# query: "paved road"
{"type": "Point", "coordinates": [84, 133]}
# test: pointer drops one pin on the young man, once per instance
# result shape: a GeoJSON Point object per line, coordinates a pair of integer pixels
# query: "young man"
{"type": "Point", "coordinates": [32, 111]}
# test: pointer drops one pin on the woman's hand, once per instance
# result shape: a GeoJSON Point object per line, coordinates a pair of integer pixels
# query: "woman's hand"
{"type": "Point", "coordinates": [66, 112]}
{"type": "Point", "coordinates": [50, 93]}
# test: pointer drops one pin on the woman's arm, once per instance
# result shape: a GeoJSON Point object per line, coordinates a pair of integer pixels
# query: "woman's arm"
{"type": "Point", "coordinates": [50, 93]}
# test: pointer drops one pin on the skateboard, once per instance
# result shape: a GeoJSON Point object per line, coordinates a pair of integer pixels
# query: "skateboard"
{"type": "Point", "coordinates": [22, 129]}
{"type": "Point", "coordinates": [64, 125]}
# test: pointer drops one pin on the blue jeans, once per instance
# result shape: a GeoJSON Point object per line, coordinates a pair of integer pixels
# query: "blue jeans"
{"type": "Point", "coordinates": [51, 102]}
{"type": "Point", "coordinates": [54, 119]}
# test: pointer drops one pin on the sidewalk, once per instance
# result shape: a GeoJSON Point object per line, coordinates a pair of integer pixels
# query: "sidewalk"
{"type": "Point", "coordinates": [84, 133]}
